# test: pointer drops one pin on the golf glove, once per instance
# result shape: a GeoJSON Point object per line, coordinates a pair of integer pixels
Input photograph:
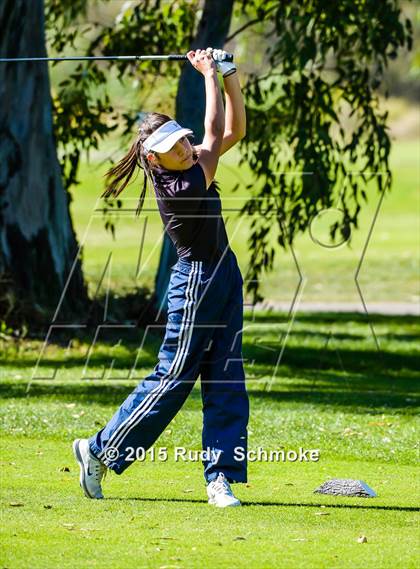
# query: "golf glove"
{"type": "Point", "coordinates": [226, 68]}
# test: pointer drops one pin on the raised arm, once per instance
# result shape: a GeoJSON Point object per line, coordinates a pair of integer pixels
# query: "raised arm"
{"type": "Point", "coordinates": [214, 121]}
{"type": "Point", "coordinates": [235, 117]}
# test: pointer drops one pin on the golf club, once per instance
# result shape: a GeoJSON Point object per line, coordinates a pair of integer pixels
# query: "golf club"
{"type": "Point", "coordinates": [172, 57]}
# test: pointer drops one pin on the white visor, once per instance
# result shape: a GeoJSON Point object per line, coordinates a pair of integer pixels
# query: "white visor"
{"type": "Point", "coordinates": [165, 137]}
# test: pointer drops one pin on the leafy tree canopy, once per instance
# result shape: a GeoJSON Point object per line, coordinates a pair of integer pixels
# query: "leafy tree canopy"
{"type": "Point", "coordinates": [324, 60]}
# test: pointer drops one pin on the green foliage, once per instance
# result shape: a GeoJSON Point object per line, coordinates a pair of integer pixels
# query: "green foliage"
{"type": "Point", "coordinates": [325, 59]}
{"type": "Point", "coordinates": [151, 28]}
{"type": "Point", "coordinates": [82, 111]}
{"type": "Point", "coordinates": [81, 117]}
{"type": "Point", "coordinates": [60, 17]}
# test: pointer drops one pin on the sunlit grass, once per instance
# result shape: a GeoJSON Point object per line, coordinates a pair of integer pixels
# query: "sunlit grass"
{"type": "Point", "coordinates": [333, 391]}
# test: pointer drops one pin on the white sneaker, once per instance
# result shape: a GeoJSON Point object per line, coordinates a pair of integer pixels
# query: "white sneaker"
{"type": "Point", "coordinates": [220, 493]}
{"type": "Point", "coordinates": [92, 470]}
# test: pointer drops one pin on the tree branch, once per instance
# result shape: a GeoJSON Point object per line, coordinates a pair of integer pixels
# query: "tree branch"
{"type": "Point", "coordinates": [248, 24]}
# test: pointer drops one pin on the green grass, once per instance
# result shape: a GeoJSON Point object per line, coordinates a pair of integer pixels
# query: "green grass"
{"type": "Point", "coordinates": [332, 391]}
{"type": "Point", "coordinates": [389, 271]}
{"type": "Point", "coordinates": [168, 524]}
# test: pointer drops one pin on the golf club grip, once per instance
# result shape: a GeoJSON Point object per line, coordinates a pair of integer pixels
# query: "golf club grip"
{"type": "Point", "coordinates": [229, 57]}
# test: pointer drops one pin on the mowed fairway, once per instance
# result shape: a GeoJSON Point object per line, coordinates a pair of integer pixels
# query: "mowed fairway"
{"type": "Point", "coordinates": [355, 405]}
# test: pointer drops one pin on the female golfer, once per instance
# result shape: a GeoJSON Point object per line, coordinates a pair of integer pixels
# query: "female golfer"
{"type": "Point", "coordinates": [203, 334]}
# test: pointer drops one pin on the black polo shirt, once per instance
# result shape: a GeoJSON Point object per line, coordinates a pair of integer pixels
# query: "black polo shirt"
{"type": "Point", "coordinates": [191, 214]}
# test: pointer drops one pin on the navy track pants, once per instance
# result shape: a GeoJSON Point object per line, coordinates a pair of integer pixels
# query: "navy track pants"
{"type": "Point", "coordinates": [203, 337]}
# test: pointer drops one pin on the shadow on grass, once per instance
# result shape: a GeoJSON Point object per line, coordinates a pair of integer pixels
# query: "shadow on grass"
{"type": "Point", "coordinates": [340, 336]}
{"type": "Point", "coordinates": [273, 503]}
{"type": "Point", "coordinates": [352, 360]}
{"type": "Point", "coordinates": [110, 333]}
{"type": "Point", "coordinates": [346, 376]}
{"type": "Point", "coordinates": [300, 358]}
{"type": "Point", "coordinates": [103, 393]}
{"type": "Point", "coordinates": [334, 318]}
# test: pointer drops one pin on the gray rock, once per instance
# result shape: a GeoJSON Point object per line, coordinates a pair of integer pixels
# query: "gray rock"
{"type": "Point", "coordinates": [346, 487]}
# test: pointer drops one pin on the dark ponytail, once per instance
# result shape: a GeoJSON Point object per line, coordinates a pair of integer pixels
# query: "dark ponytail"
{"type": "Point", "coordinates": [118, 177]}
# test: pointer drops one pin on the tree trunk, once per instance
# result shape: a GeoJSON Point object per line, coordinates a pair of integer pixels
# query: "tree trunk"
{"type": "Point", "coordinates": [38, 247]}
{"type": "Point", "coordinates": [190, 108]}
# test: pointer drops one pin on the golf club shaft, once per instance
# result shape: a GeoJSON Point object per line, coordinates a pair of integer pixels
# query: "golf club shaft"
{"type": "Point", "coordinates": [173, 57]}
